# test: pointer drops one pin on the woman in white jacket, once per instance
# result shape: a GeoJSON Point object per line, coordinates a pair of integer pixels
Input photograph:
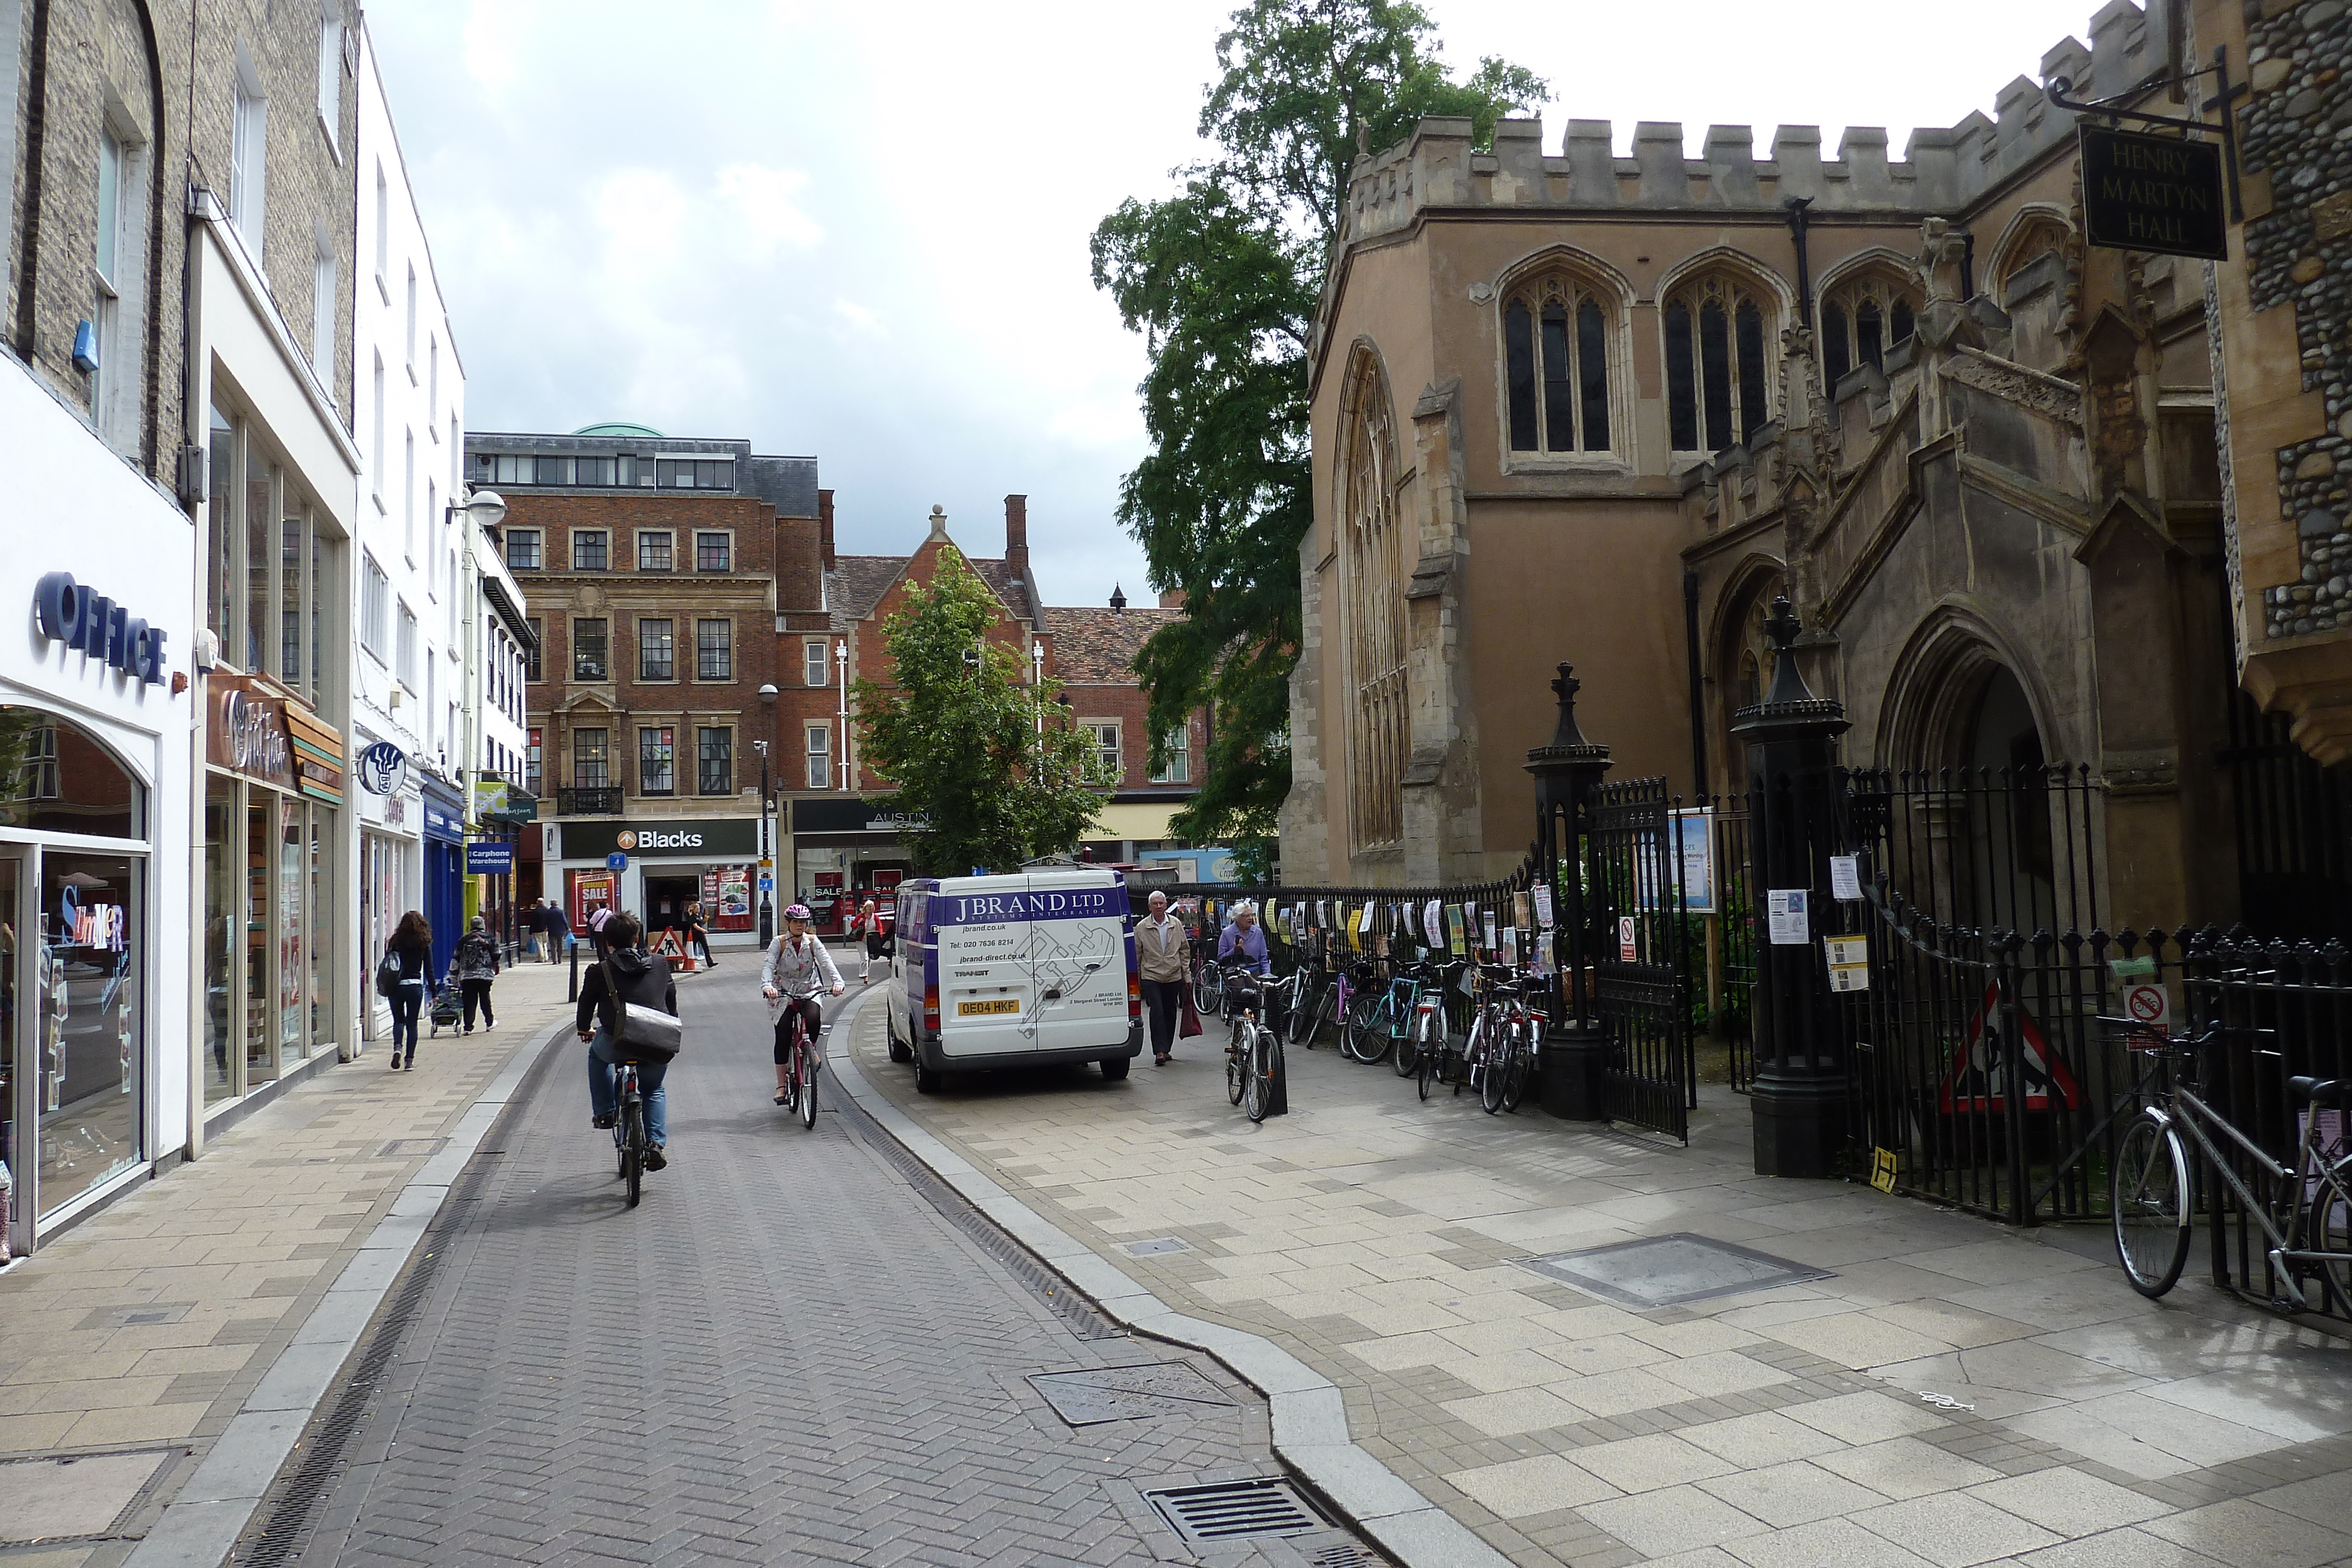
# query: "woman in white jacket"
{"type": "Point", "coordinates": [797, 962]}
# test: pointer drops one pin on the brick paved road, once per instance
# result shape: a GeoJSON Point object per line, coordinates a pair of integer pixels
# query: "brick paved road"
{"type": "Point", "coordinates": [785, 1355]}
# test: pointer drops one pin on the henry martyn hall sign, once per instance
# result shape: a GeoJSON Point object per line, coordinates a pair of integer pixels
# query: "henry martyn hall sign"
{"type": "Point", "coordinates": [2153, 193]}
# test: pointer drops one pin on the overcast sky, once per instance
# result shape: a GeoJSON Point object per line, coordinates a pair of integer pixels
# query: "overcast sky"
{"type": "Point", "coordinates": [860, 231]}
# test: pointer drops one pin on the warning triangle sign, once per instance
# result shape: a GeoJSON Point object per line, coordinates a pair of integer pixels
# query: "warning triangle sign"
{"type": "Point", "coordinates": [1979, 1079]}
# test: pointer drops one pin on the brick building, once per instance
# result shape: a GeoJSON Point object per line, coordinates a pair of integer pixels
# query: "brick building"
{"type": "Point", "coordinates": [659, 572]}
{"type": "Point", "coordinates": [845, 837]}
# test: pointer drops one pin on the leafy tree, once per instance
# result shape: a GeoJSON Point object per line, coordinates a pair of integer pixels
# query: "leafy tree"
{"type": "Point", "coordinates": [955, 728]}
{"type": "Point", "coordinates": [1223, 279]}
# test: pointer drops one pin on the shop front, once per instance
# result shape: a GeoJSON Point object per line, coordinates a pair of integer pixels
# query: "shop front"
{"type": "Point", "coordinates": [273, 798]}
{"type": "Point", "coordinates": [844, 851]}
{"type": "Point", "coordinates": [445, 870]}
{"type": "Point", "coordinates": [390, 804]}
{"type": "Point", "coordinates": [667, 866]}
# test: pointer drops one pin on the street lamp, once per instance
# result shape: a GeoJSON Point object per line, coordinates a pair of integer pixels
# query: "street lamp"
{"type": "Point", "coordinates": [767, 871]}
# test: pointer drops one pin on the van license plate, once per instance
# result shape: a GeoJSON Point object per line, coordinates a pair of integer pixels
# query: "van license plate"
{"type": "Point", "coordinates": [981, 1009]}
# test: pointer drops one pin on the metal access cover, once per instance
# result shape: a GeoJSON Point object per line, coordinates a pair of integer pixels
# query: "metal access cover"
{"type": "Point", "coordinates": [412, 1148]}
{"type": "Point", "coordinates": [86, 1495]}
{"type": "Point", "coordinates": [1667, 1270]}
{"type": "Point", "coordinates": [1235, 1511]}
{"type": "Point", "coordinates": [1127, 1392]}
{"type": "Point", "coordinates": [1155, 1245]}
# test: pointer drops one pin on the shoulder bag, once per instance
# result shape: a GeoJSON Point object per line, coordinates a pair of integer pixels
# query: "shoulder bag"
{"type": "Point", "coordinates": [387, 974]}
{"type": "Point", "coordinates": [641, 1031]}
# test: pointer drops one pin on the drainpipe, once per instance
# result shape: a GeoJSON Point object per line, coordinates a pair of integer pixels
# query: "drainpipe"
{"type": "Point", "coordinates": [1697, 699]}
{"type": "Point", "coordinates": [1794, 207]}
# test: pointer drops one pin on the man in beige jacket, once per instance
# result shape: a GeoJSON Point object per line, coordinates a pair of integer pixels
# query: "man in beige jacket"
{"type": "Point", "coordinates": [1159, 956]}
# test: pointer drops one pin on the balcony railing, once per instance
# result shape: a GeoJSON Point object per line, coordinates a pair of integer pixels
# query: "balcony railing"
{"type": "Point", "coordinates": [596, 800]}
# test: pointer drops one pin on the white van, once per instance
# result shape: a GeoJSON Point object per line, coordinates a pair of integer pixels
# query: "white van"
{"type": "Point", "coordinates": [1008, 971]}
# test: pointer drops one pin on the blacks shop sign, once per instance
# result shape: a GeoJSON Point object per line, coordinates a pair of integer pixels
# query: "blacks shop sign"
{"type": "Point", "coordinates": [715, 839]}
{"type": "Point", "coordinates": [2153, 194]}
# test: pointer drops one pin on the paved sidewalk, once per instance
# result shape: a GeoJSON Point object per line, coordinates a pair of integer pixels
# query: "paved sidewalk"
{"type": "Point", "coordinates": [1383, 1241]}
{"type": "Point", "coordinates": [132, 1343]}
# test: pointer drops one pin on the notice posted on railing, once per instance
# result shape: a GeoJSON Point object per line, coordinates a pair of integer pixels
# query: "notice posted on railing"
{"type": "Point", "coordinates": [1785, 917]}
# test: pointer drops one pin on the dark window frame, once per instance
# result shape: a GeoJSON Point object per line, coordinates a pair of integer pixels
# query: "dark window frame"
{"type": "Point", "coordinates": [714, 759]}
{"type": "Point", "coordinates": [723, 650]}
{"type": "Point", "coordinates": [515, 541]}
{"type": "Point", "coordinates": [649, 642]}
{"type": "Point", "coordinates": [668, 539]}
{"type": "Point", "coordinates": [657, 760]}
{"type": "Point", "coordinates": [585, 541]}
{"type": "Point", "coordinates": [602, 641]}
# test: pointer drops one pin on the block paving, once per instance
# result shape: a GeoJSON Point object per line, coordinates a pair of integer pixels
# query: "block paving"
{"type": "Point", "coordinates": [786, 1354]}
{"type": "Point", "coordinates": [1381, 1240]}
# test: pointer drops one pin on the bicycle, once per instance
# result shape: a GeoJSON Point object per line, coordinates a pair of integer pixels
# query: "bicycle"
{"type": "Point", "coordinates": [1304, 1010]}
{"type": "Point", "coordinates": [629, 1128]}
{"type": "Point", "coordinates": [799, 1082]}
{"type": "Point", "coordinates": [1504, 1084]}
{"type": "Point", "coordinates": [1389, 1015]}
{"type": "Point", "coordinates": [1433, 1042]}
{"type": "Point", "coordinates": [1253, 1054]}
{"type": "Point", "coordinates": [1208, 979]}
{"type": "Point", "coordinates": [2150, 1182]}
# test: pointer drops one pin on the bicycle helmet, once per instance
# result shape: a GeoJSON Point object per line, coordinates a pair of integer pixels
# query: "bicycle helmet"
{"type": "Point", "coordinates": [797, 911]}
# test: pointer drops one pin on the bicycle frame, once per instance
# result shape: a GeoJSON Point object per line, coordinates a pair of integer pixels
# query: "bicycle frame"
{"type": "Point", "coordinates": [2305, 1167]}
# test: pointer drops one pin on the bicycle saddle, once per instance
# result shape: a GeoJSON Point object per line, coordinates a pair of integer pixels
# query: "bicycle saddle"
{"type": "Point", "coordinates": [2320, 1091]}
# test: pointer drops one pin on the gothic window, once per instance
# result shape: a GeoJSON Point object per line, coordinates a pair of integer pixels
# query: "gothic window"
{"type": "Point", "coordinates": [1719, 375]}
{"type": "Point", "coordinates": [1373, 562]}
{"type": "Point", "coordinates": [1862, 320]}
{"type": "Point", "coordinates": [2042, 236]}
{"type": "Point", "coordinates": [1555, 364]}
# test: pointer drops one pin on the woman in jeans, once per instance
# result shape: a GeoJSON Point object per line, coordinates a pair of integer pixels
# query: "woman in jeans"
{"type": "Point", "coordinates": [412, 945]}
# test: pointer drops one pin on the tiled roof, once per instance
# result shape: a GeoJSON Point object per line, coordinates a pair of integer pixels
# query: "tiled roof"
{"type": "Point", "coordinates": [1092, 644]}
{"type": "Point", "coordinates": [858, 583]}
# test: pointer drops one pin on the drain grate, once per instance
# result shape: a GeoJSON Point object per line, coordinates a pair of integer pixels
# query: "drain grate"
{"type": "Point", "coordinates": [1667, 1270]}
{"type": "Point", "coordinates": [1235, 1511]}
{"type": "Point", "coordinates": [1127, 1392]}
{"type": "Point", "coordinates": [1346, 1555]}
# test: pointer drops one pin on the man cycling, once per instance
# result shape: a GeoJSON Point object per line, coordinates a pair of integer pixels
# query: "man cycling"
{"type": "Point", "coordinates": [797, 962]}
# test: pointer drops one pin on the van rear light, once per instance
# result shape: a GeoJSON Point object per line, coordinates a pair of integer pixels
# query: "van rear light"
{"type": "Point", "coordinates": [1134, 996]}
{"type": "Point", "coordinates": [931, 1009]}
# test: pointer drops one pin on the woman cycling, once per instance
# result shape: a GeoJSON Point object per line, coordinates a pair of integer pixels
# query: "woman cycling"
{"type": "Point", "coordinates": [797, 964]}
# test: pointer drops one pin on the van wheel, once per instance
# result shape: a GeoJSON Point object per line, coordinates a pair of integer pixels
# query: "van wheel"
{"type": "Point", "coordinates": [900, 1051]}
{"type": "Point", "coordinates": [1113, 1068]}
{"type": "Point", "coordinates": [928, 1079]}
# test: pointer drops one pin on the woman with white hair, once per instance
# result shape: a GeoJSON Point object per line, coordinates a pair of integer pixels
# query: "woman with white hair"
{"type": "Point", "coordinates": [1242, 941]}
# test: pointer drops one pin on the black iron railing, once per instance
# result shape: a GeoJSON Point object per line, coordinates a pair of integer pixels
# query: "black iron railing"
{"type": "Point", "coordinates": [589, 801]}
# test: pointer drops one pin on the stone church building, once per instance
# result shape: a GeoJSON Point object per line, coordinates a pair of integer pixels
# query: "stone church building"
{"type": "Point", "coordinates": [1573, 406]}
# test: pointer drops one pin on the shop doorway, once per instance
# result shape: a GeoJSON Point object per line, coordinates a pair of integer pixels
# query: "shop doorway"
{"type": "Point", "coordinates": [666, 900]}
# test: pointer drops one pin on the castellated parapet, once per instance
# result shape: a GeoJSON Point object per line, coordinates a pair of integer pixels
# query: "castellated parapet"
{"type": "Point", "coordinates": [1941, 168]}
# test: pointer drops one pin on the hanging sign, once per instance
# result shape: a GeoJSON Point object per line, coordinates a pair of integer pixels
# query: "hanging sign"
{"type": "Point", "coordinates": [1628, 950]}
{"type": "Point", "coordinates": [489, 857]}
{"type": "Point", "coordinates": [383, 769]}
{"type": "Point", "coordinates": [1846, 878]}
{"type": "Point", "coordinates": [1543, 904]}
{"type": "Point", "coordinates": [2150, 1007]}
{"type": "Point", "coordinates": [2155, 194]}
{"type": "Point", "coordinates": [1786, 919]}
{"type": "Point", "coordinates": [1433, 924]}
{"type": "Point", "coordinates": [248, 733]}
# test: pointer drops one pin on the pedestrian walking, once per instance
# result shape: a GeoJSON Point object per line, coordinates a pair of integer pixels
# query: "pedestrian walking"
{"type": "Point", "coordinates": [558, 929]}
{"type": "Point", "coordinates": [478, 966]}
{"type": "Point", "coordinates": [697, 935]}
{"type": "Point", "coordinates": [411, 948]}
{"type": "Point", "coordinates": [869, 925]}
{"type": "Point", "coordinates": [598, 918]}
{"type": "Point", "coordinates": [630, 974]}
{"type": "Point", "coordinates": [534, 923]}
{"type": "Point", "coordinates": [1160, 947]}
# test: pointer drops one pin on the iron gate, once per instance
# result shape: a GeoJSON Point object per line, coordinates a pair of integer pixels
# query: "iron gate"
{"type": "Point", "coordinates": [1636, 912]}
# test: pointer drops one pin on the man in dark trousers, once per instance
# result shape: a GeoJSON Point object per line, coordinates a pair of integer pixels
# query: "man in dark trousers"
{"type": "Point", "coordinates": [558, 931]}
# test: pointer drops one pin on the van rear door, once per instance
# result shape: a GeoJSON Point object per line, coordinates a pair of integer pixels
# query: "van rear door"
{"type": "Point", "coordinates": [1078, 958]}
{"type": "Point", "coordinates": [981, 928]}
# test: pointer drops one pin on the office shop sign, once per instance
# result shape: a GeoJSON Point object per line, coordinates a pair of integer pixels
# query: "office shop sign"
{"type": "Point", "coordinates": [80, 617]}
{"type": "Point", "coordinates": [2153, 194]}
{"type": "Point", "coordinates": [722, 838]}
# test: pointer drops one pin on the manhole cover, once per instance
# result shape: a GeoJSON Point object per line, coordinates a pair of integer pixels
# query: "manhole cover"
{"type": "Point", "coordinates": [1235, 1511]}
{"type": "Point", "coordinates": [1157, 1245]}
{"type": "Point", "coordinates": [53, 1499]}
{"type": "Point", "coordinates": [1126, 1393]}
{"type": "Point", "coordinates": [412, 1148]}
{"type": "Point", "coordinates": [1667, 1270]}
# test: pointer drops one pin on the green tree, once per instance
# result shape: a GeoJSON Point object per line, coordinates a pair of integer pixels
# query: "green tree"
{"type": "Point", "coordinates": [1222, 280]}
{"type": "Point", "coordinates": [956, 729]}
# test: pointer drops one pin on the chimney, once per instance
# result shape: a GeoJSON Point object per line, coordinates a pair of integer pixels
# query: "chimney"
{"type": "Point", "coordinates": [1171, 599]}
{"type": "Point", "coordinates": [825, 527]}
{"type": "Point", "coordinates": [1016, 536]}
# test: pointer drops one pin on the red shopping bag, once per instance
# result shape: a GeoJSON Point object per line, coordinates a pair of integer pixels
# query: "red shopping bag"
{"type": "Point", "coordinates": [1191, 1023]}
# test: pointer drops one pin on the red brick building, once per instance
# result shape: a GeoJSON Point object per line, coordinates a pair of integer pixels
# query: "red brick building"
{"type": "Point", "coordinates": [846, 837]}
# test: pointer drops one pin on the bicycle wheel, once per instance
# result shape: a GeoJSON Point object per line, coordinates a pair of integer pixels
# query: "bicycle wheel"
{"type": "Point", "coordinates": [1494, 1072]}
{"type": "Point", "coordinates": [1208, 989]}
{"type": "Point", "coordinates": [1518, 1060]}
{"type": "Point", "coordinates": [2148, 1193]}
{"type": "Point", "coordinates": [806, 1073]}
{"type": "Point", "coordinates": [1361, 1034]}
{"type": "Point", "coordinates": [1407, 1060]}
{"type": "Point", "coordinates": [1258, 1083]}
{"type": "Point", "coordinates": [1428, 1052]}
{"type": "Point", "coordinates": [2330, 1226]}
{"type": "Point", "coordinates": [1302, 1018]}
{"type": "Point", "coordinates": [1236, 1065]}
{"type": "Point", "coordinates": [632, 1149]}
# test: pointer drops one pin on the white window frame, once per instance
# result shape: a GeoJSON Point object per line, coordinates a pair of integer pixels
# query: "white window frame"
{"type": "Point", "coordinates": [376, 453]}
{"type": "Point", "coordinates": [408, 496]}
{"type": "Point", "coordinates": [323, 312]}
{"type": "Point", "coordinates": [1179, 747]}
{"type": "Point", "coordinates": [331, 74]}
{"type": "Point", "coordinates": [409, 338]}
{"type": "Point", "coordinates": [818, 741]}
{"type": "Point", "coordinates": [382, 233]}
{"type": "Point", "coordinates": [817, 657]}
{"type": "Point", "coordinates": [375, 607]}
{"type": "Point", "coordinates": [1114, 755]}
{"type": "Point", "coordinates": [249, 173]}
{"type": "Point", "coordinates": [404, 657]}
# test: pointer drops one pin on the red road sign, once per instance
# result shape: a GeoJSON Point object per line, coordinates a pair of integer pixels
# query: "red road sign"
{"type": "Point", "coordinates": [1980, 1071]}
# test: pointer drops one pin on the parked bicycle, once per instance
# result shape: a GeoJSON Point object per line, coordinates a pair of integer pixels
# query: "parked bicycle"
{"type": "Point", "coordinates": [1384, 1019]}
{"type": "Point", "coordinates": [1433, 1042]}
{"type": "Point", "coordinates": [1208, 977]}
{"type": "Point", "coordinates": [2151, 1185]}
{"type": "Point", "coordinates": [1498, 1052]}
{"type": "Point", "coordinates": [1253, 1054]}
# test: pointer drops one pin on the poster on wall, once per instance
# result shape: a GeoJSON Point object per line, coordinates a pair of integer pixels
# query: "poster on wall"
{"type": "Point", "coordinates": [591, 891]}
{"type": "Point", "coordinates": [729, 898]}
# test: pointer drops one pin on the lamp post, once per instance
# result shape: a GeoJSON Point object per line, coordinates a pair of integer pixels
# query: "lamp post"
{"type": "Point", "coordinates": [767, 871]}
